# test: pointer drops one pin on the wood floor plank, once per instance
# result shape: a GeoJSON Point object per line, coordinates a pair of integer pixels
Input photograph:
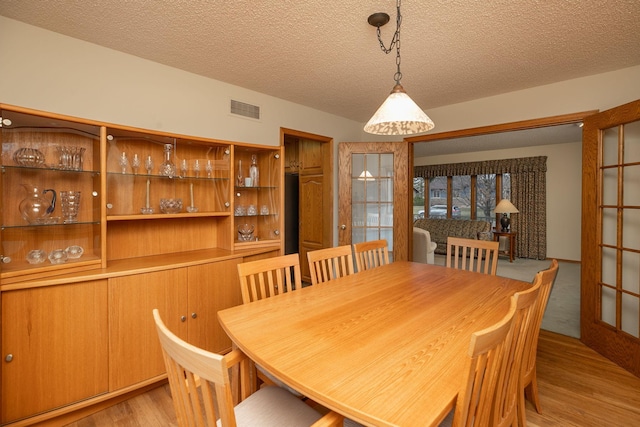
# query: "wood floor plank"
{"type": "Point", "coordinates": [578, 387]}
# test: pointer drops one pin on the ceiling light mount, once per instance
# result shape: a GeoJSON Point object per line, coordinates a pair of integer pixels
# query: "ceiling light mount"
{"type": "Point", "coordinates": [378, 19]}
{"type": "Point", "coordinates": [398, 115]}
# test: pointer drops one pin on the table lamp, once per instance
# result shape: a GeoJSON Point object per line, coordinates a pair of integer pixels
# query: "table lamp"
{"type": "Point", "coordinates": [505, 207]}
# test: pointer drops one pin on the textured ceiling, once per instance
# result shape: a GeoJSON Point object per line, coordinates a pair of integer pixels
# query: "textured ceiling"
{"type": "Point", "coordinates": [323, 54]}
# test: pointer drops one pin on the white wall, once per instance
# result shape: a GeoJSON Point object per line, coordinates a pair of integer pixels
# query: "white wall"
{"type": "Point", "coordinates": [51, 72]}
{"type": "Point", "coordinates": [564, 187]}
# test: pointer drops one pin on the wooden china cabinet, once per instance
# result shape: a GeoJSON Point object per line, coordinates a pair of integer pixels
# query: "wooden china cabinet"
{"type": "Point", "coordinates": [162, 222]}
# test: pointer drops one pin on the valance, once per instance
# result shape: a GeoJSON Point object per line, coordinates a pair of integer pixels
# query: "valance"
{"type": "Point", "coordinates": [513, 166]}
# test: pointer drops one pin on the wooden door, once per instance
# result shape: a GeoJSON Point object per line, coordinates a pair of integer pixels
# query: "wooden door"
{"type": "Point", "coordinates": [610, 295]}
{"type": "Point", "coordinates": [212, 287]}
{"type": "Point", "coordinates": [135, 354]}
{"type": "Point", "coordinates": [54, 347]}
{"type": "Point", "coordinates": [374, 183]}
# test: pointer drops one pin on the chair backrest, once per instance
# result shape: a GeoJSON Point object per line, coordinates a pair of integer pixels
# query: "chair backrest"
{"type": "Point", "coordinates": [371, 254]}
{"type": "Point", "coordinates": [267, 277]}
{"type": "Point", "coordinates": [544, 279]}
{"type": "Point", "coordinates": [473, 255]}
{"type": "Point", "coordinates": [189, 366]}
{"type": "Point", "coordinates": [330, 263]}
{"type": "Point", "coordinates": [505, 411]}
{"type": "Point", "coordinates": [483, 368]}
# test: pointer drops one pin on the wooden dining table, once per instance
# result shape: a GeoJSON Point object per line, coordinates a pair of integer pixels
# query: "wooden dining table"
{"type": "Point", "coordinates": [384, 347]}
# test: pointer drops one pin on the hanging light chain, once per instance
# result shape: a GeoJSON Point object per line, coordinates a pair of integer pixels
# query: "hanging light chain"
{"type": "Point", "coordinates": [395, 41]}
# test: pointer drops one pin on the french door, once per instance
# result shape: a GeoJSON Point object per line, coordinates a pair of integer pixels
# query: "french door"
{"type": "Point", "coordinates": [610, 288]}
{"type": "Point", "coordinates": [373, 189]}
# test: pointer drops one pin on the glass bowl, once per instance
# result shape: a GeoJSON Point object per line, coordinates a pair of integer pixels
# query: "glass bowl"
{"type": "Point", "coordinates": [58, 256]}
{"type": "Point", "coordinates": [74, 252]}
{"type": "Point", "coordinates": [170, 206]}
{"type": "Point", "coordinates": [29, 157]}
{"type": "Point", "coordinates": [36, 256]}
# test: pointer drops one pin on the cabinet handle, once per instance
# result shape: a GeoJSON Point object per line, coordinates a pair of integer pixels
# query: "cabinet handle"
{"type": "Point", "coordinates": [5, 259]}
{"type": "Point", "coordinates": [8, 358]}
{"type": "Point", "coordinates": [194, 315]}
{"type": "Point", "coordinates": [183, 318]}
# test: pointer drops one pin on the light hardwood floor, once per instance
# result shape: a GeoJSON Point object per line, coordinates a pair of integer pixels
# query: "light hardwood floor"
{"type": "Point", "coordinates": [578, 387]}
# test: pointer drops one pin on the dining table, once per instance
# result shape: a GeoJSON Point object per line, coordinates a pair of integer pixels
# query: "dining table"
{"type": "Point", "coordinates": [383, 347]}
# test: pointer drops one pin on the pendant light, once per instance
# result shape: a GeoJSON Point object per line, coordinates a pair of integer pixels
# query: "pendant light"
{"type": "Point", "coordinates": [398, 114]}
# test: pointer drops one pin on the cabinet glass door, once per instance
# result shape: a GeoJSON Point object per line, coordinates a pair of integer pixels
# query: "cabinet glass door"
{"type": "Point", "coordinates": [50, 194]}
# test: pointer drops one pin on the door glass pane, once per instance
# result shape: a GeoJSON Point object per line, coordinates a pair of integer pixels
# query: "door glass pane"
{"type": "Point", "coordinates": [631, 176]}
{"type": "Point", "coordinates": [372, 197]}
{"type": "Point", "coordinates": [631, 228]}
{"type": "Point", "coordinates": [610, 187]}
{"type": "Point", "coordinates": [609, 226]}
{"type": "Point", "coordinates": [632, 142]}
{"type": "Point", "coordinates": [608, 306]}
{"type": "Point", "coordinates": [609, 266]}
{"type": "Point", "coordinates": [630, 314]}
{"type": "Point", "coordinates": [610, 147]}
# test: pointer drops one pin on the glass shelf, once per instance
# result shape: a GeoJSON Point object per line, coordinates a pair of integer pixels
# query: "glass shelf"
{"type": "Point", "coordinates": [56, 224]}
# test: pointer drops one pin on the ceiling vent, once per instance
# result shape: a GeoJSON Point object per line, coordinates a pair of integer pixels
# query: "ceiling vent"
{"type": "Point", "coordinates": [245, 110]}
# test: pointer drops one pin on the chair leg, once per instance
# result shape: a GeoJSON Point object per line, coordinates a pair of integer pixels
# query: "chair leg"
{"type": "Point", "coordinates": [531, 392]}
{"type": "Point", "coordinates": [522, 410]}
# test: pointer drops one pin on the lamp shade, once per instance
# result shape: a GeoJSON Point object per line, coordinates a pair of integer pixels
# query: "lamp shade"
{"type": "Point", "coordinates": [399, 115]}
{"type": "Point", "coordinates": [505, 206]}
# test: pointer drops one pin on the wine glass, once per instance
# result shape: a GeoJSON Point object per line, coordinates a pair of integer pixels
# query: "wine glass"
{"type": "Point", "coordinates": [209, 168]}
{"type": "Point", "coordinates": [184, 168]}
{"type": "Point", "coordinates": [124, 162]}
{"type": "Point", "coordinates": [135, 163]}
{"type": "Point", "coordinates": [148, 165]}
{"type": "Point", "coordinates": [196, 168]}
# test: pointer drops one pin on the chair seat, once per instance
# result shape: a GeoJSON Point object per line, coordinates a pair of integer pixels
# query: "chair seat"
{"type": "Point", "coordinates": [274, 407]}
{"type": "Point", "coordinates": [277, 382]}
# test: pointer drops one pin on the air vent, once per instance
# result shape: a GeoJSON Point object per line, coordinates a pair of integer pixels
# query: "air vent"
{"type": "Point", "coordinates": [245, 110]}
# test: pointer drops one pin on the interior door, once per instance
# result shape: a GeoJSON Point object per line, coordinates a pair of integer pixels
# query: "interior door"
{"type": "Point", "coordinates": [373, 182]}
{"type": "Point", "coordinates": [610, 288]}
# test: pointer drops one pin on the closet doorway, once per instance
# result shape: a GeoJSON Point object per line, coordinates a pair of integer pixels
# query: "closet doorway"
{"type": "Point", "coordinates": [308, 194]}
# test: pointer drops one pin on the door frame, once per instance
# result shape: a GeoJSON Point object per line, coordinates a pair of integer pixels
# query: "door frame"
{"type": "Point", "coordinates": [327, 196]}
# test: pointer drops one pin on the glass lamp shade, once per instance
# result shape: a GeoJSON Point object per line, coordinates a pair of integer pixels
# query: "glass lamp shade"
{"type": "Point", "coordinates": [399, 115]}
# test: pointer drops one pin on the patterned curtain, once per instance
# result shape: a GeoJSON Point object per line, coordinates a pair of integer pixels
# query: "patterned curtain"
{"type": "Point", "coordinates": [528, 194]}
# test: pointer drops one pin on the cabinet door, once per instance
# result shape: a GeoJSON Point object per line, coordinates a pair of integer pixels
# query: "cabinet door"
{"type": "Point", "coordinates": [212, 287]}
{"type": "Point", "coordinates": [134, 350]}
{"type": "Point", "coordinates": [54, 347]}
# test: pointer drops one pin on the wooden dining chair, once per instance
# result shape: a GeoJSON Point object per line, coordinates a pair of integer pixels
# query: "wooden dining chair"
{"type": "Point", "coordinates": [528, 386]}
{"type": "Point", "coordinates": [201, 390]}
{"type": "Point", "coordinates": [330, 263]}
{"type": "Point", "coordinates": [371, 254]}
{"type": "Point", "coordinates": [505, 410]}
{"type": "Point", "coordinates": [484, 366]}
{"type": "Point", "coordinates": [267, 277]}
{"type": "Point", "coordinates": [473, 255]}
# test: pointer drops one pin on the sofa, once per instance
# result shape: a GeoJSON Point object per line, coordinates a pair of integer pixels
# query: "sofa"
{"type": "Point", "coordinates": [440, 229]}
